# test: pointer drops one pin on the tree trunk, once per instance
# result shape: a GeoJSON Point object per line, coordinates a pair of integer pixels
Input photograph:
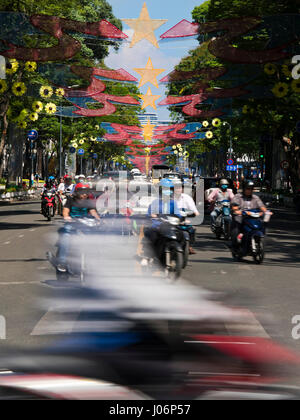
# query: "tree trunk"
{"type": "Point", "coordinates": [3, 139]}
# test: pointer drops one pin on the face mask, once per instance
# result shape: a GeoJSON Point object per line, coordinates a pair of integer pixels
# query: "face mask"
{"type": "Point", "coordinates": [224, 187]}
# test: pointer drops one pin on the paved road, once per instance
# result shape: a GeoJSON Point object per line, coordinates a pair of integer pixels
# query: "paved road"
{"type": "Point", "coordinates": [271, 291]}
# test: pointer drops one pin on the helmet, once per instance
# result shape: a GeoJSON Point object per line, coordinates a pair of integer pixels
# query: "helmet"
{"type": "Point", "coordinates": [67, 177]}
{"type": "Point", "coordinates": [224, 182]}
{"type": "Point", "coordinates": [51, 178]}
{"type": "Point", "coordinates": [248, 184]}
{"type": "Point", "coordinates": [166, 185]}
{"type": "Point", "coordinates": [81, 176]}
{"type": "Point", "coordinates": [82, 188]}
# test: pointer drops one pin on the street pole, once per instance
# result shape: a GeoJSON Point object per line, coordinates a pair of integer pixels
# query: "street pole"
{"type": "Point", "coordinates": [230, 142]}
{"type": "Point", "coordinates": [60, 143]}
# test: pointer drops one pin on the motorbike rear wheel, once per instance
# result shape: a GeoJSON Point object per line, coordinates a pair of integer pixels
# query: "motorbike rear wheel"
{"type": "Point", "coordinates": [186, 254]}
{"type": "Point", "coordinates": [259, 255]}
{"type": "Point", "coordinates": [176, 262]}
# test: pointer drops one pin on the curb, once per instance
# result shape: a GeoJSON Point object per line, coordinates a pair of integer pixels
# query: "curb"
{"type": "Point", "coordinates": [21, 195]}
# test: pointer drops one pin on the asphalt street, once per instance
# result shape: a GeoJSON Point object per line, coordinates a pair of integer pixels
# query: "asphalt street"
{"type": "Point", "coordinates": [269, 292]}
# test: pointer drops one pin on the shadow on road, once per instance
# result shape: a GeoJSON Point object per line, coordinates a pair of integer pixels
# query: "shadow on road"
{"type": "Point", "coordinates": [17, 212]}
{"type": "Point", "coordinates": [20, 226]}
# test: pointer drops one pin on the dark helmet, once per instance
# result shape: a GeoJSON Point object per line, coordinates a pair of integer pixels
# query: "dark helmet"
{"type": "Point", "coordinates": [248, 184]}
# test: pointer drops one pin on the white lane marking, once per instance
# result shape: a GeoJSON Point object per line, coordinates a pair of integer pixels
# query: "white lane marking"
{"type": "Point", "coordinates": [56, 322]}
{"type": "Point", "coordinates": [16, 283]}
{"type": "Point", "coordinates": [6, 243]}
{"type": "Point", "coordinates": [32, 230]}
{"type": "Point", "coordinates": [21, 236]}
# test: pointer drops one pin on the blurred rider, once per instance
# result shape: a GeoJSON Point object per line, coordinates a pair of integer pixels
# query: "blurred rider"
{"type": "Point", "coordinates": [165, 204]}
{"type": "Point", "coordinates": [216, 197]}
{"type": "Point", "coordinates": [78, 206]}
{"type": "Point", "coordinates": [186, 203]}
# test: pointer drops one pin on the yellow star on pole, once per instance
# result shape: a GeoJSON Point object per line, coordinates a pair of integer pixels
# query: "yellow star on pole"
{"type": "Point", "coordinates": [149, 74]}
{"type": "Point", "coordinates": [144, 27]}
{"type": "Point", "coordinates": [148, 131]}
{"type": "Point", "coordinates": [149, 99]}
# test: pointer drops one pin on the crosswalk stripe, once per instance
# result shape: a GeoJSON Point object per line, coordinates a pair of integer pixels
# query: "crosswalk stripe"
{"type": "Point", "coordinates": [56, 321]}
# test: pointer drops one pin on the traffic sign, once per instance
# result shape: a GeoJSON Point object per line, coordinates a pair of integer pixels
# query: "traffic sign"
{"type": "Point", "coordinates": [72, 150]}
{"type": "Point", "coordinates": [230, 162]}
{"type": "Point", "coordinates": [285, 164]}
{"type": "Point", "coordinates": [32, 135]}
{"type": "Point", "coordinates": [95, 156]}
{"type": "Point", "coordinates": [231, 168]}
{"type": "Point", "coordinates": [81, 151]}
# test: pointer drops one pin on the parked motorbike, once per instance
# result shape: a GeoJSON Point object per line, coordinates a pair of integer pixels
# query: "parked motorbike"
{"type": "Point", "coordinates": [48, 204]}
{"type": "Point", "coordinates": [168, 242]}
{"type": "Point", "coordinates": [252, 238]}
{"type": "Point", "coordinates": [223, 221]}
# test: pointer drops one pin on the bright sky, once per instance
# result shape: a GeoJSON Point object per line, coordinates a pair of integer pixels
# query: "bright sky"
{"type": "Point", "coordinates": [169, 53]}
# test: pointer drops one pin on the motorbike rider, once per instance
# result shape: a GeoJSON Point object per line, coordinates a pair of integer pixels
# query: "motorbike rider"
{"type": "Point", "coordinates": [67, 186]}
{"type": "Point", "coordinates": [217, 196]}
{"type": "Point", "coordinates": [165, 204]}
{"type": "Point", "coordinates": [49, 186]}
{"type": "Point", "coordinates": [242, 202]}
{"type": "Point", "coordinates": [77, 206]}
{"type": "Point", "coordinates": [186, 203]}
{"type": "Point", "coordinates": [79, 179]}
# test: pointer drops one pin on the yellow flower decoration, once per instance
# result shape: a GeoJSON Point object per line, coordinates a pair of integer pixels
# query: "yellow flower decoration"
{"type": "Point", "coordinates": [280, 90]}
{"type": "Point", "coordinates": [286, 71]}
{"type": "Point", "coordinates": [245, 109]}
{"type": "Point", "coordinates": [209, 135]}
{"type": "Point", "coordinates": [174, 147]}
{"type": "Point", "coordinates": [75, 145]}
{"type": "Point", "coordinates": [23, 114]}
{"type": "Point", "coordinates": [30, 66]}
{"type": "Point", "coordinates": [50, 108]}
{"type": "Point", "coordinates": [19, 89]}
{"type": "Point", "coordinates": [205, 124]}
{"type": "Point", "coordinates": [34, 116]}
{"type": "Point", "coordinates": [296, 86]}
{"type": "Point", "coordinates": [270, 69]}
{"type": "Point", "coordinates": [179, 146]}
{"type": "Point", "coordinates": [3, 86]}
{"type": "Point", "coordinates": [93, 138]}
{"type": "Point", "coordinates": [175, 152]}
{"type": "Point", "coordinates": [81, 141]}
{"type": "Point", "coordinates": [22, 124]}
{"type": "Point", "coordinates": [37, 106]}
{"type": "Point", "coordinates": [216, 122]}
{"type": "Point", "coordinates": [46, 91]}
{"type": "Point", "coordinates": [97, 127]}
{"type": "Point", "coordinates": [12, 66]}
{"type": "Point", "coordinates": [60, 92]}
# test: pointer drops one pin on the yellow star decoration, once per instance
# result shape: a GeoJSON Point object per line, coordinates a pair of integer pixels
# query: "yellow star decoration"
{"type": "Point", "coordinates": [149, 74]}
{"type": "Point", "coordinates": [144, 27]}
{"type": "Point", "coordinates": [149, 99]}
{"type": "Point", "coordinates": [148, 131]}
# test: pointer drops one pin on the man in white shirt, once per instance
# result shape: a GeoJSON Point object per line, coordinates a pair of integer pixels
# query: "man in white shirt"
{"type": "Point", "coordinates": [185, 202]}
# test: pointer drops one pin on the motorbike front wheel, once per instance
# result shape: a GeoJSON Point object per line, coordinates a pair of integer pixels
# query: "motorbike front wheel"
{"type": "Point", "coordinates": [176, 262]}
